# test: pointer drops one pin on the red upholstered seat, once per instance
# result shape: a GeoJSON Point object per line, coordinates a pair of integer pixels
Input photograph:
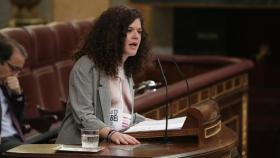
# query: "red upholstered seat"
{"type": "Point", "coordinates": [63, 69]}
{"type": "Point", "coordinates": [30, 89]}
{"type": "Point", "coordinates": [83, 27]}
{"type": "Point", "coordinates": [32, 116]}
{"type": "Point", "coordinates": [45, 77]}
{"type": "Point", "coordinates": [48, 86]}
{"type": "Point", "coordinates": [67, 39]}
{"type": "Point", "coordinates": [45, 45]}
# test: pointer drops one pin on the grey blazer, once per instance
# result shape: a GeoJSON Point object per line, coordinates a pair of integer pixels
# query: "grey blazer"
{"type": "Point", "coordinates": [89, 102]}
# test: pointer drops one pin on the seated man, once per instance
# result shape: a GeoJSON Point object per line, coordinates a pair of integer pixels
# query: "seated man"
{"type": "Point", "coordinates": [12, 59]}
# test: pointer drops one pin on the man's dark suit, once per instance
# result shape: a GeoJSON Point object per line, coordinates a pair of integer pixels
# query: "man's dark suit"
{"type": "Point", "coordinates": [16, 107]}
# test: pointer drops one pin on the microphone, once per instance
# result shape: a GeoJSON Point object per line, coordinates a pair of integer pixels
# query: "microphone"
{"type": "Point", "coordinates": [183, 77]}
{"type": "Point", "coordinates": [167, 102]}
{"type": "Point", "coordinates": [144, 86]}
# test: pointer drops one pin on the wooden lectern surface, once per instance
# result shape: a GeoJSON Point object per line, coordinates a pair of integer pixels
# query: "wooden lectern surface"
{"type": "Point", "coordinates": [217, 146]}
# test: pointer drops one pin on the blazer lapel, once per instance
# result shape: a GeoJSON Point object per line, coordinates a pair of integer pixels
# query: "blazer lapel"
{"type": "Point", "coordinates": [105, 97]}
{"type": "Point", "coordinates": [130, 83]}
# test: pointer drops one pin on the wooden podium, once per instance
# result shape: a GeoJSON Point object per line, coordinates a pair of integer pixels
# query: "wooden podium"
{"type": "Point", "coordinates": [203, 122]}
{"type": "Point", "coordinates": [218, 146]}
{"type": "Point", "coordinates": [212, 140]}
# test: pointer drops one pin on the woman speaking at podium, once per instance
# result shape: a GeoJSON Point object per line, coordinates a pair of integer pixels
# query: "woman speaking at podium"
{"type": "Point", "coordinates": [100, 86]}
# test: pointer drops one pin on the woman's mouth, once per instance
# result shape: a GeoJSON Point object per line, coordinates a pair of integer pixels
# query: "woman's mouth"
{"type": "Point", "coordinates": [133, 45]}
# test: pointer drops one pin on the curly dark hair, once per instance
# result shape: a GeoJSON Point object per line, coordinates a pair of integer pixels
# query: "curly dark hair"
{"type": "Point", "coordinates": [105, 42]}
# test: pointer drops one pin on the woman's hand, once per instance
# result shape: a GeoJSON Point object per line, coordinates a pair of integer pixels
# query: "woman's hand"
{"type": "Point", "coordinates": [120, 138]}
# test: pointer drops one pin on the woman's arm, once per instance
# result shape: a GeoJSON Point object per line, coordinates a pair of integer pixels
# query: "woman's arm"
{"type": "Point", "coordinates": [81, 92]}
{"type": "Point", "coordinates": [117, 137]}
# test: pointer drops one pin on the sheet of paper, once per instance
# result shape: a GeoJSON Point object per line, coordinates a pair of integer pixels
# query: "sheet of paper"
{"type": "Point", "coordinates": [35, 148]}
{"type": "Point", "coordinates": [157, 125]}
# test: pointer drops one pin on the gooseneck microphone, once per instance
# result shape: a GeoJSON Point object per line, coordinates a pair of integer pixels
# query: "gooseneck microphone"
{"type": "Point", "coordinates": [183, 77]}
{"type": "Point", "coordinates": [167, 102]}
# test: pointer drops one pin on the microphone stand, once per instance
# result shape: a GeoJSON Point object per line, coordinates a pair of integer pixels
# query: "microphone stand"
{"type": "Point", "coordinates": [167, 102]}
{"type": "Point", "coordinates": [183, 77]}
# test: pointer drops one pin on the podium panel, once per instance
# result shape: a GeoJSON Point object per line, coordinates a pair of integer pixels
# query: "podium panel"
{"type": "Point", "coordinates": [219, 146]}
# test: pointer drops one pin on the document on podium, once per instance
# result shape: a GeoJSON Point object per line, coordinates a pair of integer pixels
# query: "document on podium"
{"type": "Point", "coordinates": [157, 125]}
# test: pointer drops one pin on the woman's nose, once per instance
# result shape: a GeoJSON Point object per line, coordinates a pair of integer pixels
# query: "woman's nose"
{"type": "Point", "coordinates": [136, 35]}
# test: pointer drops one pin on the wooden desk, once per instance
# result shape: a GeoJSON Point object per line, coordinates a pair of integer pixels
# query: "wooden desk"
{"type": "Point", "coordinates": [218, 146]}
{"type": "Point", "coordinates": [223, 79]}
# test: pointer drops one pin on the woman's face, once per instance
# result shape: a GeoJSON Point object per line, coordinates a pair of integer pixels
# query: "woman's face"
{"type": "Point", "coordinates": [133, 39]}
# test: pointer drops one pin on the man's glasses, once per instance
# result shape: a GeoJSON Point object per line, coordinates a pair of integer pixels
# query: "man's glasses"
{"type": "Point", "coordinates": [14, 68]}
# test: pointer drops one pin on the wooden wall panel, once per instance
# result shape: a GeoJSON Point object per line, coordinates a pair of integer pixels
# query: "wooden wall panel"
{"type": "Point", "coordinates": [66, 10]}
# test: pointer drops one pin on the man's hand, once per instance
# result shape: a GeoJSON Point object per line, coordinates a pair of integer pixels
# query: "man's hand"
{"type": "Point", "coordinates": [120, 138]}
{"type": "Point", "coordinates": [13, 84]}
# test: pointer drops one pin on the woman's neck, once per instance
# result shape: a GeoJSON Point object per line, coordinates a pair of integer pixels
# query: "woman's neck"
{"type": "Point", "coordinates": [124, 58]}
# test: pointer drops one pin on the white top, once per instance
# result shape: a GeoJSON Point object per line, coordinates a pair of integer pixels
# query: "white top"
{"type": "Point", "coordinates": [7, 128]}
{"type": "Point", "coordinates": [121, 102]}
